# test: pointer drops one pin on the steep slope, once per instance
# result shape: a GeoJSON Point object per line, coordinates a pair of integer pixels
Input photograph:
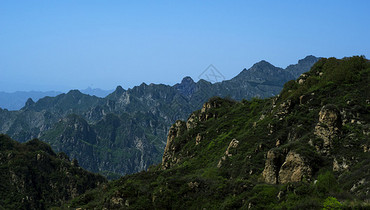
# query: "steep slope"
{"type": "Point", "coordinates": [34, 177]}
{"type": "Point", "coordinates": [307, 148]}
{"type": "Point", "coordinates": [143, 115]}
{"type": "Point", "coordinates": [104, 145]}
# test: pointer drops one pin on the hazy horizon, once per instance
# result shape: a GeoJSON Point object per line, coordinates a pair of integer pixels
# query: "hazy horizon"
{"type": "Point", "coordinates": [64, 45]}
{"type": "Point", "coordinates": [113, 89]}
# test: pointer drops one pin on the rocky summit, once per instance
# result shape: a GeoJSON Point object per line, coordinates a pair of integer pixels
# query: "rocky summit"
{"type": "Point", "coordinates": [125, 132]}
{"type": "Point", "coordinates": [306, 148]}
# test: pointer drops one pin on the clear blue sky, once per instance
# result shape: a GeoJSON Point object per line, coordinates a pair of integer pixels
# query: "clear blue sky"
{"type": "Point", "coordinates": [69, 44]}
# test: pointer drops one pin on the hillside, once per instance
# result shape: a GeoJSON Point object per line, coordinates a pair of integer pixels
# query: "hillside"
{"type": "Point", "coordinates": [307, 148]}
{"type": "Point", "coordinates": [125, 132]}
{"type": "Point", "coordinates": [34, 177]}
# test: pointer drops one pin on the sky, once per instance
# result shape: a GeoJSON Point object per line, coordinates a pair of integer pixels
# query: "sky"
{"type": "Point", "coordinates": [63, 45]}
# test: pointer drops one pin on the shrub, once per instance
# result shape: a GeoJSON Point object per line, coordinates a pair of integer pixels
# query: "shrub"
{"type": "Point", "coordinates": [327, 183]}
{"type": "Point", "coordinates": [332, 203]}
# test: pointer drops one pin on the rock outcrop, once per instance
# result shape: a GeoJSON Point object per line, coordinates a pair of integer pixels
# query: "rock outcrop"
{"type": "Point", "coordinates": [328, 126]}
{"type": "Point", "coordinates": [204, 112]}
{"type": "Point", "coordinates": [273, 163]}
{"type": "Point", "coordinates": [228, 153]}
{"type": "Point", "coordinates": [281, 169]}
{"type": "Point", "coordinates": [294, 169]}
{"type": "Point", "coordinates": [169, 157]}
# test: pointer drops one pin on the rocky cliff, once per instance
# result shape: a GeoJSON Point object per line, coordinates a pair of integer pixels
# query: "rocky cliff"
{"type": "Point", "coordinates": [304, 147]}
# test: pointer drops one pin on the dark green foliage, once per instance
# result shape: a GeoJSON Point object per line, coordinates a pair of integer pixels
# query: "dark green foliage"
{"type": "Point", "coordinates": [327, 184]}
{"type": "Point", "coordinates": [34, 177]}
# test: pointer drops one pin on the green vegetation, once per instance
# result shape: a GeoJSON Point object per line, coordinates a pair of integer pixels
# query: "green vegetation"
{"type": "Point", "coordinates": [203, 175]}
{"type": "Point", "coordinates": [332, 203]}
{"type": "Point", "coordinates": [34, 177]}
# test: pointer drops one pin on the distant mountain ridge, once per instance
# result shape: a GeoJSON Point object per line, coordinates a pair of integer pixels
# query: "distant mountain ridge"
{"type": "Point", "coordinates": [16, 100]}
{"type": "Point", "coordinates": [125, 132]}
{"type": "Point", "coordinates": [96, 92]}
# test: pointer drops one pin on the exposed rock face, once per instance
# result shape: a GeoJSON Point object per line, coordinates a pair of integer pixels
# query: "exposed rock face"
{"type": "Point", "coordinates": [204, 112]}
{"type": "Point", "coordinates": [203, 115]}
{"type": "Point", "coordinates": [176, 130]}
{"type": "Point", "coordinates": [169, 158]}
{"type": "Point", "coordinates": [198, 139]}
{"type": "Point", "coordinates": [285, 107]}
{"type": "Point", "coordinates": [341, 165]}
{"type": "Point", "coordinates": [192, 121]}
{"type": "Point", "coordinates": [272, 167]}
{"type": "Point", "coordinates": [294, 169]}
{"type": "Point", "coordinates": [284, 169]}
{"type": "Point", "coordinates": [328, 126]}
{"type": "Point", "coordinates": [228, 153]}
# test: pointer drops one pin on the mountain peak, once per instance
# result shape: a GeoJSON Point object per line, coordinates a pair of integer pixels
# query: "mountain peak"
{"type": "Point", "coordinates": [74, 92]}
{"type": "Point", "coordinates": [303, 65]}
{"type": "Point", "coordinates": [119, 89]}
{"type": "Point", "coordinates": [308, 59]}
{"type": "Point", "coordinates": [262, 64]}
{"type": "Point", "coordinates": [187, 80]}
{"type": "Point", "coordinates": [29, 102]}
{"type": "Point", "coordinates": [186, 87]}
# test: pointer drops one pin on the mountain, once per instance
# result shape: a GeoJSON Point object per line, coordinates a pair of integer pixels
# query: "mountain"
{"type": "Point", "coordinates": [34, 177]}
{"type": "Point", "coordinates": [16, 100]}
{"type": "Point", "coordinates": [307, 148]}
{"type": "Point", "coordinates": [125, 132]}
{"type": "Point", "coordinates": [96, 92]}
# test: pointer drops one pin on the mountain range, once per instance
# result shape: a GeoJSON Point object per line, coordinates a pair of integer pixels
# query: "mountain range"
{"type": "Point", "coordinates": [125, 132]}
{"type": "Point", "coordinates": [306, 148]}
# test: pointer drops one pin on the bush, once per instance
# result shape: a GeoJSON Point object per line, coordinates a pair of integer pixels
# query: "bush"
{"type": "Point", "coordinates": [327, 183]}
{"type": "Point", "coordinates": [332, 203]}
